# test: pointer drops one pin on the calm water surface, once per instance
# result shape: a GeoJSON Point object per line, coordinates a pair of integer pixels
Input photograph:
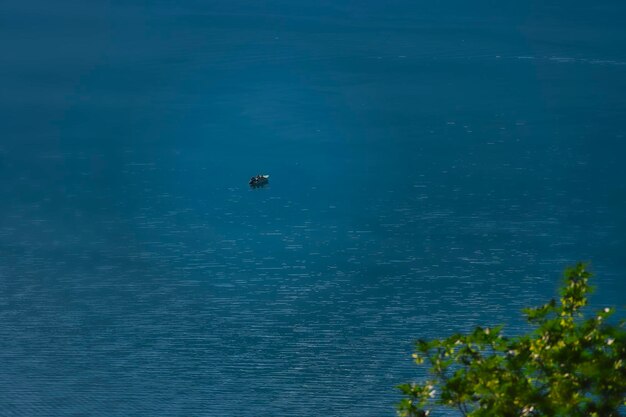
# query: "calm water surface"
{"type": "Point", "coordinates": [432, 168]}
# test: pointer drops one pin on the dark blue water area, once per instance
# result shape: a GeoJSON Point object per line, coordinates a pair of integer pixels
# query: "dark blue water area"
{"type": "Point", "coordinates": [433, 167]}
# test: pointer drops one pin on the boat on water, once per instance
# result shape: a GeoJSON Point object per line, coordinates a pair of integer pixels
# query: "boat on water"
{"type": "Point", "coordinates": [259, 180]}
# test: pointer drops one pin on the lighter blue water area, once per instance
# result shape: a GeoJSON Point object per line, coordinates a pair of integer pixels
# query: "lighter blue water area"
{"type": "Point", "coordinates": [434, 166]}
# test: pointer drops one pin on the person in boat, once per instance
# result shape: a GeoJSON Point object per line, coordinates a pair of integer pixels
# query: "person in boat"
{"type": "Point", "coordinates": [258, 179]}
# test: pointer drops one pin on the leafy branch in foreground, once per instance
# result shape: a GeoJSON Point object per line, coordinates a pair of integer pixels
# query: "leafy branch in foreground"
{"type": "Point", "coordinates": [569, 365]}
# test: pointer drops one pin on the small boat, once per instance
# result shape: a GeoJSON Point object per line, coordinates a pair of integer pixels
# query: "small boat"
{"type": "Point", "coordinates": [259, 180]}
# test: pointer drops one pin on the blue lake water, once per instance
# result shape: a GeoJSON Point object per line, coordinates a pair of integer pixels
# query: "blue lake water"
{"type": "Point", "coordinates": [433, 167]}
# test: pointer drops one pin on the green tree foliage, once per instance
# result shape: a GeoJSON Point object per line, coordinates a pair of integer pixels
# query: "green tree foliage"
{"type": "Point", "coordinates": [567, 365]}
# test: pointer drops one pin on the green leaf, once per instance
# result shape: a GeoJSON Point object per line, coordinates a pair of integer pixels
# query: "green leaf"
{"type": "Point", "coordinates": [567, 365]}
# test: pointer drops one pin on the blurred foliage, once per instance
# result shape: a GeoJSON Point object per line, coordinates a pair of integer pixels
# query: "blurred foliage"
{"type": "Point", "coordinates": [567, 365]}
